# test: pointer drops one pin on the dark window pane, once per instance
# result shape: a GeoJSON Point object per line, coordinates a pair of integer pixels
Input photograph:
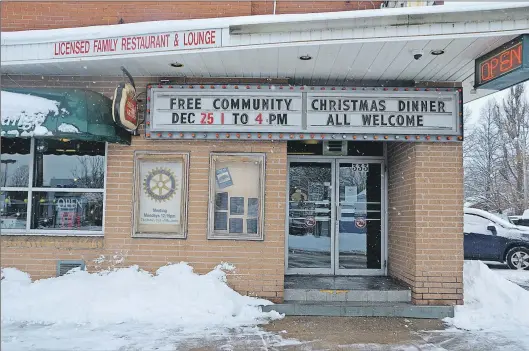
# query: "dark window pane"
{"type": "Point", "coordinates": [67, 211]}
{"type": "Point", "coordinates": [13, 209]}
{"type": "Point", "coordinates": [15, 160]}
{"type": "Point", "coordinates": [307, 147]}
{"type": "Point", "coordinates": [71, 164]}
{"type": "Point", "coordinates": [365, 148]}
{"type": "Point", "coordinates": [354, 148]}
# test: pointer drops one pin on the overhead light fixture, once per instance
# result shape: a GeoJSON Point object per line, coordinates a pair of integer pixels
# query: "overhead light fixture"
{"type": "Point", "coordinates": [177, 64]}
{"type": "Point", "coordinates": [437, 52]}
{"type": "Point", "coordinates": [305, 57]}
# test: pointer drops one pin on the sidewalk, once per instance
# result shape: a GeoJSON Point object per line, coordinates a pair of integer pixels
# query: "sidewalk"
{"type": "Point", "coordinates": [289, 334]}
{"type": "Point", "coordinates": [331, 333]}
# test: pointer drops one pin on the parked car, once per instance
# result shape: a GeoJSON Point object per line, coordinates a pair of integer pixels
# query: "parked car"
{"type": "Point", "coordinates": [514, 219]}
{"type": "Point", "coordinates": [524, 219]}
{"type": "Point", "coordinates": [491, 238]}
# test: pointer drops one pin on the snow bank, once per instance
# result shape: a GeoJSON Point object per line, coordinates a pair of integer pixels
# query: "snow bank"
{"type": "Point", "coordinates": [15, 276]}
{"type": "Point", "coordinates": [491, 301]}
{"type": "Point", "coordinates": [518, 277]}
{"type": "Point", "coordinates": [174, 296]}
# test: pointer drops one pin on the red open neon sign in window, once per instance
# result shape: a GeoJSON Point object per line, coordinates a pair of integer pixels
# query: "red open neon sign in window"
{"type": "Point", "coordinates": [503, 62]}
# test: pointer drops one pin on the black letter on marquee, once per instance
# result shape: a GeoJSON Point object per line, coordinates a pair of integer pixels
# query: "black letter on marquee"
{"type": "Point", "coordinates": [366, 120]}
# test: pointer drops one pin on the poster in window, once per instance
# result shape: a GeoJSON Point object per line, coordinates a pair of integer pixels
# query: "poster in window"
{"type": "Point", "coordinates": [253, 207]}
{"type": "Point", "coordinates": [351, 194]}
{"type": "Point", "coordinates": [236, 225]}
{"type": "Point", "coordinates": [236, 205]}
{"type": "Point", "coordinates": [221, 202]}
{"type": "Point", "coordinates": [161, 189]}
{"type": "Point", "coordinates": [251, 226]}
{"type": "Point", "coordinates": [224, 179]}
{"type": "Point", "coordinates": [221, 221]}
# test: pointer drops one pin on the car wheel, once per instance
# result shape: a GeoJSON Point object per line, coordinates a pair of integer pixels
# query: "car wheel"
{"type": "Point", "coordinates": [518, 258]}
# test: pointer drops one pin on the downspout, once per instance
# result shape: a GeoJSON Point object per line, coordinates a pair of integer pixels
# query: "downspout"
{"type": "Point", "coordinates": [275, 4]}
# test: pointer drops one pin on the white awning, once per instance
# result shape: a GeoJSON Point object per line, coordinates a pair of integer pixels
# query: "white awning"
{"type": "Point", "coordinates": [364, 47]}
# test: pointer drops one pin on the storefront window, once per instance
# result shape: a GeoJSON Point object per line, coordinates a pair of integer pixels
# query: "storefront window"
{"type": "Point", "coordinates": [69, 164]}
{"type": "Point", "coordinates": [52, 186]}
{"type": "Point", "coordinates": [15, 159]}
{"type": "Point", "coordinates": [236, 196]}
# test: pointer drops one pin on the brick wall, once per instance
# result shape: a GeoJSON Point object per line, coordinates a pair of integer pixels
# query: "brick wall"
{"type": "Point", "coordinates": [426, 220]}
{"type": "Point", "coordinates": [260, 265]}
{"type": "Point", "coordinates": [30, 15]}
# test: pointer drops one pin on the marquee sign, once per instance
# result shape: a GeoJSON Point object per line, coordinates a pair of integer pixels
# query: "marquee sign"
{"type": "Point", "coordinates": [387, 112]}
{"type": "Point", "coordinates": [276, 112]}
{"type": "Point", "coordinates": [505, 66]}
{"type": "Point", "coordinates": [211, 111]}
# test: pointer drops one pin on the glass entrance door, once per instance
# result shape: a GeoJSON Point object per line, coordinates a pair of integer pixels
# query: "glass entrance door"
{"type": "Point", "coordinates": [335, 221]}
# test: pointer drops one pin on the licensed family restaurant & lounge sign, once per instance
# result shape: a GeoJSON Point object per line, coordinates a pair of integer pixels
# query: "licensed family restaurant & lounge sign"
{"type": "Point", "coordinates": [139, 43]}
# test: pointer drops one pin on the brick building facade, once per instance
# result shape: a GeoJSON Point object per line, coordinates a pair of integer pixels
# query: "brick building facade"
{"type": "Point", "coordinates": [410, 225]}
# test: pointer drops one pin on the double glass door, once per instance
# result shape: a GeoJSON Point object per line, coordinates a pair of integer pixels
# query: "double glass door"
{"type": "Point", "coordinates": [335, 222]}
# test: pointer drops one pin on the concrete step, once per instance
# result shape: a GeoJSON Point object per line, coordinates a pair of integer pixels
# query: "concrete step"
{"type": "Point", "coordinates": [402, 295]}
{"type": "Point", "coordinates": [360, 309]}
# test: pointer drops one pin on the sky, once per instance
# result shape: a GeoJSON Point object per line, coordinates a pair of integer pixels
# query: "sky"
{"type": "Point", "coordinates": [476, 105]}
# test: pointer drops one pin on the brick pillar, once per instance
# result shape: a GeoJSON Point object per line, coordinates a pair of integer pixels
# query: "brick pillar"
{"type": "Point", "coordinates": [425, 231]}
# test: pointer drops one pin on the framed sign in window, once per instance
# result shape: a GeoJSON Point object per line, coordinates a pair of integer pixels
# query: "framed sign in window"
{"type": "Point", "coordinates": [236, 196]}
{"type": "Point", "coordinates": [161, 183]}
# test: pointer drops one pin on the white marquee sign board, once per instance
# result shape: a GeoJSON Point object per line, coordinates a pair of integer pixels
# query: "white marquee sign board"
{"type": "Point", "coordinates": [208, 112]}
{"type": "Point", "coordinates": [384, 112]}
{"type": "Point", "coordinates": [212, 111]}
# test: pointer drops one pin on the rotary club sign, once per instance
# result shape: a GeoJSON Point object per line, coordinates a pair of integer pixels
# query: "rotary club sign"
{"type": "Point", "coordinates": [161, 194]}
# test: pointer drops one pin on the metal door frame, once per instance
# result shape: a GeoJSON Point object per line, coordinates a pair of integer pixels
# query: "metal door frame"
{"type": "Point", "coordinates": [336, 232]}
{"type": "Point", "coordinates": [309, 271]}
{"type": "Point", "coordinates": [335, 161]}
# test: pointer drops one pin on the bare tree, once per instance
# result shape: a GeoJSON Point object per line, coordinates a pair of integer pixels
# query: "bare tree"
{"type": "Point", "coordinates": [482, 158]}
{"type": "Point", "coordinates": [20, 177]}
{"type": "Point", "coordinates": [90, 172]}
{"type": "Point", "coordinates": [513, 126]}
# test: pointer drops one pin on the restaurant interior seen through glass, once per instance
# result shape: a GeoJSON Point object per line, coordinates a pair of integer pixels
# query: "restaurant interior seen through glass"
{"type": "Point", "coordinates": [52, 185]}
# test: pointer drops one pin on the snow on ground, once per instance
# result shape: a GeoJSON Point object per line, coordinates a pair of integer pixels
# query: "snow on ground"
{"type": "Point", "coordinates": [124, 307]}
{"type": "Point", "coordinates": [518, 277]}
{"type": "Point", "coordinates": [492, 303]}
{"type": "Point", "coordinates": [176, 309]}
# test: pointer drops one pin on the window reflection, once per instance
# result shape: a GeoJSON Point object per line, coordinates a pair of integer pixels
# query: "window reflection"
{"type": "Point", "coordinates": [69, 164]}
{"type": "Point", "coordinates": [15, 159]}
{"type": "Point", "coordinates": [13, 209]}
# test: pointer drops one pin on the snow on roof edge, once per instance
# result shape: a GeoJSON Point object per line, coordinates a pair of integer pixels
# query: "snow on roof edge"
{"type": "Point", "coordinates": [107, 31]}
